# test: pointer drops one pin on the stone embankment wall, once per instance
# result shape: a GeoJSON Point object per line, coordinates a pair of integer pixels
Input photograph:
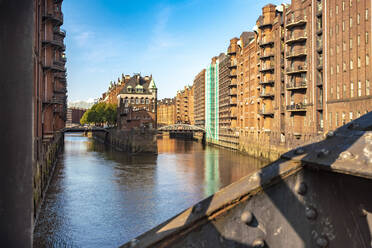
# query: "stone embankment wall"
{"type": "Point", "coordinates": [44, 163]}
{"type": "Point", "coordinates": [264, 146]}
{"type": "Point", "coordinates": [271, 147]}
{"type": "Point", "coordinates": [134, 141]}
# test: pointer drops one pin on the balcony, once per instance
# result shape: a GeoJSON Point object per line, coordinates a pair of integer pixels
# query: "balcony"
{"type": "Point", "coordinates": [233, 64]}
{"type": "Point", "coordinates": [59, 31]}
{"type": "Point", "coordinates": [296, 70]}
{"type": "Point", "coordinates": [267, 55]}
{"type": "Point", "coordinates": [319, 64]}
{"type": "Point", "coordinates": [56, 66]}
{"type": "Point", "coordinates": [296, 54]}
{"type": "Point", "coordinates": [265, 24]}
{"type": "Point", "coordinates": [54, 100]}
{"type": "Point", "coordinates": [264, 112]}
{"type": "Point", "coordinates": [296, 22]}
{"type": "Point", "coordinates": [319, 29]}
{"type": "Point", "coordinates": [297, 85]}
{"type": "Point", "coordinates": [267, 68]}
{"type": "Point", "coordinates": [55, 42]}
{"type": "Point", "coordinates": [55, 17]}
{"type": "Point", "coordinates": [319, 9]}
{"type": "Point", "coordinates": [60, 75]}
{"type": "Point", "coordinates": [232, 75]}
{"type": "Point", "coordinates": [233, 102]}
{"type": "Point", "coordinates": [296, 39]}
{"type": "Point", "coordinates": [267, 82]}
{"type": "Point", "coordinates": [319, 46]}
{"type": "Point", "coordinates": [267, 94]}
{"type": "Point", "coordinates": [232, 92]}
{"type": "Point", "coordinates": [298, 107]}
{"type": "Point", "coordinates": [59, 90]}
{"type": "Point", "coordinates": [268, 42]}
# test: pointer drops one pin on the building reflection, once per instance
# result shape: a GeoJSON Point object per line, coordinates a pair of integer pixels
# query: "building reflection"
{"type": "Point", "coordinates": [211, 172]}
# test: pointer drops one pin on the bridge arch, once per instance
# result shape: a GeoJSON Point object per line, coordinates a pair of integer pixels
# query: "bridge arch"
{"type": "Point", "coordinates": [181, 127]}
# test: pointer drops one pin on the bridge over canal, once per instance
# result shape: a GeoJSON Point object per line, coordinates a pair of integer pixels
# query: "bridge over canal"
{"type": "Point", "coordinates": [79, 129]}
{"type": "Point", "coordinates": [184, 131]}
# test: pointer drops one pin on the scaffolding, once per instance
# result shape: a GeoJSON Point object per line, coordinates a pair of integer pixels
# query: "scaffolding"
{"type": "Point", "coordinates": [211, 101]}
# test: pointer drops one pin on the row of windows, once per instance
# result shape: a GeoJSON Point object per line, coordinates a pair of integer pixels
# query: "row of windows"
{"type": "Point", "coordinates": [136, 100]}
{"type": "Point", "coordinates": [359, 90]}
{"type": "Point", "coordinates": [343, 8]}
{"type": "Point", "coordinates": [351, 64]}
{"type": "Point", "coordinates": [344, 47]}
{"type": "Point", "coordinates": [344, 24]}
{"type": "Point", "coordinates": [341, 118]}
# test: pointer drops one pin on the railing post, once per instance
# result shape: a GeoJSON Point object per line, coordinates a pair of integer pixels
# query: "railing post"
{"type": "Point", "coordinates": [16, 91]}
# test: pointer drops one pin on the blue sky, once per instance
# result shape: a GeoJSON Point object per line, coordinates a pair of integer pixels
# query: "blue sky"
{"type": "Point", "coordinates": [172, 40]}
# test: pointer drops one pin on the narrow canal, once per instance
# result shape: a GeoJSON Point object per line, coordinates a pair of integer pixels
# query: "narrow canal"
{"type": "Point", "coordinates": [103, 198]}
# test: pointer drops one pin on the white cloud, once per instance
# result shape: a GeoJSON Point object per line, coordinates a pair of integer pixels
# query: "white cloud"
{"type": "Point", "coordinates": [161, 39]}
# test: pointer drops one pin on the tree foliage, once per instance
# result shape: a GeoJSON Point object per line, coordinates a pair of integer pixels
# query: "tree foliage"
{"type": "Point", "coordinates": [100, 114]}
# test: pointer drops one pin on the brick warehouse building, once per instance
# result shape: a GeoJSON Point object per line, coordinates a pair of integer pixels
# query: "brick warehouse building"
{"type": "Point", "coordinates": [303, 71]}
{"type": "Point", "coordinates": [110, 96]}
{"type": "Point", "coordinates": [185, 105]}
{"type": "Point", "coordinates": [199, 99]}
{"type": "Point", "coordinates": [49, 91]}
{"type": "Point", "coordinates": [166, 111]}
{"type": "Point", "coordinates": [137, 103]}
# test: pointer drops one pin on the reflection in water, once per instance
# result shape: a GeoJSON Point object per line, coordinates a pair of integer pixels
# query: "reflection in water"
{"type": "Point", "coordinates": [212, 175]}
{"type": "Point", "coordinates": [102, 198]}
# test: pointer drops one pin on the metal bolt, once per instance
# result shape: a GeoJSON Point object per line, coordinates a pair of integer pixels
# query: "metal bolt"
{"type": "Point", "coordinates": [346, 155]}
{"type": "Point", "coordinates": [259, 243]}
{"type": "Point", "coordinates": [322, 242]}
{"type": "Point", "coordinates": [331, 134]}
{"type": "Point", "coordinates": [299, 151]}
{"type": "Point", "coordinates": [246, 217]}
{"type": "Point", "coordinates": [323, 152]}
{"type": "Point", "coordinates": [133, 242]}
{"type": "Point", "coordinates": [368, 138]}
{"type": "Point", "coordinates": [310, 213]}
{"type": "Point", "coordinates": [301, 188]}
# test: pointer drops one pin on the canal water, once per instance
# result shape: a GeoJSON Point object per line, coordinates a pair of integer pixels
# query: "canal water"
{"type": "Point", "coordinates": [99, 197]}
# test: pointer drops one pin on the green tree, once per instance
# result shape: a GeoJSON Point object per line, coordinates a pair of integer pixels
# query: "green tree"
{"type": "Point", "coordinates": [99, 114]}
{"type": "Point", "coordinates": [84, 118]}
{"type": "Point", "coordinates": [110, 114]}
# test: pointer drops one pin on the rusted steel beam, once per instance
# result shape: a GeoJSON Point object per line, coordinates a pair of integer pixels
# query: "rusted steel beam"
{"type": "Point", "coordinates": [318, 195]}
{"type": "Point", "coordinates": [16, 91]}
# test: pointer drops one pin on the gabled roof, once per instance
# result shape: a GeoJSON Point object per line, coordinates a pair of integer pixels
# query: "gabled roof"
{"type": "Point", "coordinates": [138, 82]}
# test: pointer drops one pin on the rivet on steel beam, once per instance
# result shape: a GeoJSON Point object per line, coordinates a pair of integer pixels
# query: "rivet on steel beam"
{"type": "Point", "coordinates": [310, 213]}
{"type": "Point", "coordinates": [301, 188]}
{"type": "Point", "coordinates": [346, 155]}
{"type": "Point", "coordinates": [368, 138]}
{"type": "Point", "coordinates": [331, 134]}
{"type": "Point", "coordinates": [299, 151]}
{"type": "Point", "coordinates": [246, 217]}
{"type": "Point", "coordinates": [133, 242]}
{"type": "Point", "coordinates": [258, 243]}
{"type": "Point", "coordinates": [322, 242]}
{"type": "Point", "coordinates": [323, 152]}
